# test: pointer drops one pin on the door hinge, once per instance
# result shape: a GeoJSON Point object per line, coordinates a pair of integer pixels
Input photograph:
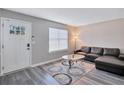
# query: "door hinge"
{"type": "Point", "coordinates": [2, 46]}
{"type": "Point", "coordinates": [2, 25]}
{"type": "Point", "coordinates": [2, 68]}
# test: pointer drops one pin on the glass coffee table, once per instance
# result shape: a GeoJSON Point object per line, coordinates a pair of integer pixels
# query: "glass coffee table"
{"type": "Point", "coordinates": [72, 58]}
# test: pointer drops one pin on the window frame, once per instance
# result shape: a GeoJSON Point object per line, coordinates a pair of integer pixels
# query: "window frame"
{"type": "Point", "coordinates": [58, 39]}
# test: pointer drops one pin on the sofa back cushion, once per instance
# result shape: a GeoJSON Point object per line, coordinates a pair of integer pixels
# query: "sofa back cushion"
{"type": "Point", "coordinates": [111, 52]}
{"type": "Point", "coordinates": [85, 49]}
{"type": "Point", "coordinates": [97, 50]}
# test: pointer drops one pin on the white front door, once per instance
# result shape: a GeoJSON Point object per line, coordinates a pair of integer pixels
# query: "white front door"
{"type": "Point", "coordinates": [16, 44]}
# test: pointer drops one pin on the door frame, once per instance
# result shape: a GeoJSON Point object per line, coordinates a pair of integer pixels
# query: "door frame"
{"type": "Point", "coordinates": [2, 42]}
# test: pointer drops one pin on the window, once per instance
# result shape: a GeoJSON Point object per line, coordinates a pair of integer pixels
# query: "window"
{"type": "Point", "coordinates": [58, 39]}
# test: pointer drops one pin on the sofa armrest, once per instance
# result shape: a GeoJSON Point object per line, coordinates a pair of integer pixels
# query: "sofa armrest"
{"type": "Point", "coordinates": [121, 56]}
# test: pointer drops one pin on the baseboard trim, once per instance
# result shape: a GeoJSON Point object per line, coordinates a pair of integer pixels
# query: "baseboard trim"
{"type": "Point", "coordinates": [46, 62]}
{"type": "Point", "coordinates": [34, 65]}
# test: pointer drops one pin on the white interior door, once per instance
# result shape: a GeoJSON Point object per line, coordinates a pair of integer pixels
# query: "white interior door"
{"type": "Point", "coordinates": [16, 44]}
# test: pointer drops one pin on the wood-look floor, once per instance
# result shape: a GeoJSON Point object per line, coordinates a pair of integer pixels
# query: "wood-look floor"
{"type": "Point", "coordinates": [30, 76]}
{"type": "Point", "coordinates": [38, 76]}
{"type": "Point", "coordinates": [99, 77]}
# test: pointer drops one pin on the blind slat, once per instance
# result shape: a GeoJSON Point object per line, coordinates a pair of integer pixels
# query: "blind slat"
{"type": "Point", "coordinates": [58, 39]}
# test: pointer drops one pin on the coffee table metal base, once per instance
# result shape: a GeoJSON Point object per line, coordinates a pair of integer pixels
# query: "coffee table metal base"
{"type": "Point", "coordinates": [66, 63]}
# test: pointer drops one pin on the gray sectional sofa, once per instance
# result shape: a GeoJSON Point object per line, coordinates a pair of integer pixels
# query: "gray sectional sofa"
{"type": "Point", "coordinates": [108, 59]}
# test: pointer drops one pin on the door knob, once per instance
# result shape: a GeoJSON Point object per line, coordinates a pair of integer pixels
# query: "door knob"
{"type": "Point", "coordinates": [28, 45]}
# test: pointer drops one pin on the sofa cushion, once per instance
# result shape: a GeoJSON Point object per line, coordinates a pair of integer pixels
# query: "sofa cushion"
{"type": "Point", "coordinates": [94, 56]}
{"type": "Point", "coordinates": [97, 50]}
{"type": "Point", "coordinates": [111, 61]}
{"type": "Point", "coordinates": [91, 57]}
{"type": "Point", "coordinates": [85, 49]}
{"type": "Point", "coordinates": [111, 52]}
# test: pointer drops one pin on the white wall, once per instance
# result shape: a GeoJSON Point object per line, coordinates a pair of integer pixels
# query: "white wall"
{"type": "Point", "coordinates": [104, 34]}
{"type": "Point", "coordinates": [40, 29]}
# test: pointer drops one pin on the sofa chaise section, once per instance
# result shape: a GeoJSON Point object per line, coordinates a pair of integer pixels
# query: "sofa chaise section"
{"type": "Point", "coordinates": [111, 64]}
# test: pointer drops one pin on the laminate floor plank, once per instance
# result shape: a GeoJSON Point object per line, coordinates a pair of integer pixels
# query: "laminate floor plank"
{"type": "Point", "coordinates": [48, 79]}
{"type": "Point", "coordinates": [39, 76]}
{"type": "Point", "coordinates": [30, 76]}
